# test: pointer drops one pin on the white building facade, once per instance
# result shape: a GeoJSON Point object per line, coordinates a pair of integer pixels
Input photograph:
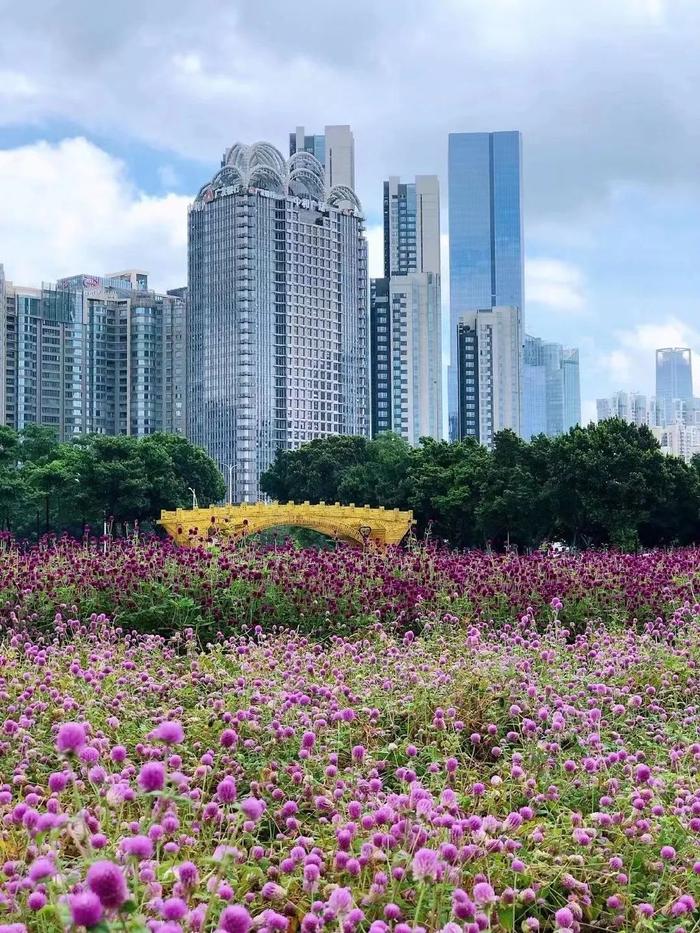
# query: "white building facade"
{"type": "Point", "coordinates": [277, 311]}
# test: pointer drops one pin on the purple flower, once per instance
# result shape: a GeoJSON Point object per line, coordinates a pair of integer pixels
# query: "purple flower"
{"type": "Point", "coordinates": [188, 874]}
{"type": "Point", "coordinates": [71, 738]}
{"type": "Point", "coordinates": [340, 902]}
{"type": "Point", "coordinates": [564, 918]}
{"type": "Point", "coordinates": [226, 790]}
{"type": "Point", "coordinates": [140, 847]}
{"type": "Point", "coordinates": [668, 853]}
{"type": "Point", "coordinates": [170, 732]}
{"type": "Point", "coordinates": [425, 865]}
{"type": "Point", "coordinates": [85, 909]}
{"type": "Point", "coordinates": [106, 880]}
{"type": "Point", "coordinates": [174, 908]}
{"type": "Point", "coordinates": [252, 808]}
{"type": "Point", "coordinates": [152, 776]}
{"type": "Point", "coordinates": [235, 919]}
{"type": "Point", "coordinates": [483, 893]}
{"type": "Point", "coordinates": [41, 868]}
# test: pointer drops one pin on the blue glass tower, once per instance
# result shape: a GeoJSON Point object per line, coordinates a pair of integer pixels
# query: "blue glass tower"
{"type": "Point", "coordinates": [485, 225]}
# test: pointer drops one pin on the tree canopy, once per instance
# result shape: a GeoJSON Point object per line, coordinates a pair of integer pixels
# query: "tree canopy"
{"type": "Point", "coordinates": [605, 484]}
{"type": "Point", "coordinates": [50, 486]}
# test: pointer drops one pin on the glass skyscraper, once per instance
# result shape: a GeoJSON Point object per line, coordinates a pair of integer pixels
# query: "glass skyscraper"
{"type": "Point", "coordinates": [551, 393]}
{"type": "Point", "coordinates": [485, 227]}
{"type": "Point", "coordinates": [674, 380]}
{"type": "Point", "coordinates": [277, 311]}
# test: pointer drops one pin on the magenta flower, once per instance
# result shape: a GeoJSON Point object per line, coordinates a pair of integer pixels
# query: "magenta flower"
{"type": "Point", "coordinates": [252, 808]}
{"type": "Point", "coordinates": [235, 919]}
{"type": "Point", "coordinates": [170, 732]}
{"type": "Point", "coordinates": [152, 776]}
{"type": "Point", "coordinates": [106, 880]}
{"type": "Point", "coordinates": [425, 864]}
{"type": "Point", "coordinates": [71, 738]}
{"type": "Point", "coordinates": [85, 909]}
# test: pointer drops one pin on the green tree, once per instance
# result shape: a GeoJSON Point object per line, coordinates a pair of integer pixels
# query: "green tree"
{"type": "Point", "coordinates": [509, 503]}
{"type": "Point", "coordinates": [314, 472]}
{"type": "Point", "coordinates": [606, 481]}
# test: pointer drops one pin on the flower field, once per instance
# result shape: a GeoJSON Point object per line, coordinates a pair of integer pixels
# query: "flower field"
{"type": "Point", "coordinates": [298, 740]}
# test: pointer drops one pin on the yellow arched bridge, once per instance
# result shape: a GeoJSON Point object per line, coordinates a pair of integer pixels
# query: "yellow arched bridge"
{"type": "Point", "coordinates": [356, 524]}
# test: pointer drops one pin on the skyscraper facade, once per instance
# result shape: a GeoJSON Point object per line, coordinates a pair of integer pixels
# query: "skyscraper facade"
{"type": "Point", "coordinates": [485, 227]}
{"type": "Point", "coordinates": [551, 394]}
{"type": "Point", "coordinates": [93, 354]}
{"type": "Point", "coordinates": [277, 311]}
{"type": "Point", "coordinates": [572, 388]}
{"type": "Point", "coordinates": [334, 149]}
{"type": "Point", "coordinates": [489, 362]}
{"type": "Point", "coordinates": [674, 379]}
{"type": "Point", "coordinates": [405, 314]}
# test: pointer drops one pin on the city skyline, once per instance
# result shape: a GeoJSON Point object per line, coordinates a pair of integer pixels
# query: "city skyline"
{"type": "Point", "coordinates": [611, 188]}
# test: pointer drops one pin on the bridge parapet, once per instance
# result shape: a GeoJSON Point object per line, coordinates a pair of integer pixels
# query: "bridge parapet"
{"type": "Point", "coordinates": [357, 524]}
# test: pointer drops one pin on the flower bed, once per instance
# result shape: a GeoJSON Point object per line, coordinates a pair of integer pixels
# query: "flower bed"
{"type": "Point", "coordinates": [506, 769]}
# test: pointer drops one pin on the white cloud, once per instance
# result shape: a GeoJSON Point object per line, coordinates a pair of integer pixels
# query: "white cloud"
{"type": "Point", "coordinates": [70, 208]}
{"type": "Point", "coordinates": [554, 283]}
{"type": "Point", "coordinates": [630, 364]}
{"type": "Point", "coordinates": [15, 84]}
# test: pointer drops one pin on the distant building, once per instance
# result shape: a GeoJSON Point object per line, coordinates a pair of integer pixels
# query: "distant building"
{"type": "Point", "coordinates": [93, 354]}
{"type": "Point", "coordinates": [486, 228]}
{"type": "Point", "coordinates": [572, 387]}
{"type": "Point", "coordinates": [551, 394]}
{"type": "Point", "coordinates": [334, 149]}
{"type": "Point", "coordinates": [633, 407]}
{"type": "Point", "coordinates": [680, 440]}
{"type": "Point", "coordinates": [674, 380]}
{"type": "Point", "coordinates": [405, 314]}
{"type": "Point", "coordinates": [277, 311]}
{"type": "Point", "coordinates": [489, 373]}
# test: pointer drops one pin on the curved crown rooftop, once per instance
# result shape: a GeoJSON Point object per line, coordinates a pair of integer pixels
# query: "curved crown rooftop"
{"type": "Point", "coordinates": [262, 166]}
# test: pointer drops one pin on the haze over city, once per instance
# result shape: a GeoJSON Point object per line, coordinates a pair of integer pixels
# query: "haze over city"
{"type": "Point", "coordinates": [112, 119]}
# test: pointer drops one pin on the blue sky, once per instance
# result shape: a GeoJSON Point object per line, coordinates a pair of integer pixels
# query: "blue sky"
{"type": "Point", "coordinates": [113, 117]}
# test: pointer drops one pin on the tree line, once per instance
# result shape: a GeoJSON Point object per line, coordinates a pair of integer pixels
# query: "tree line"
{"type": "Point", "coordinates": [48, 486]}
{"type": "Point", "coordinates": [605, 484]}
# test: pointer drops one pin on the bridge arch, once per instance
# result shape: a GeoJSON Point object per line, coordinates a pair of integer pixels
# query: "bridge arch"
{"type": "Point", "coordinates": [356, 525]}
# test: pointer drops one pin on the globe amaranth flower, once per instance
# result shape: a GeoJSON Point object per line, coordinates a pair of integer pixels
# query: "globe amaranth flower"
{"type": "Point", "coordinates": [170, 732]}
{"type": "Point", "coordinates": [252, 808]}
{"type": "Point", "coordinates": [106, 880]}
{"type": "Point", "coordinates": [85, 909]}
{"type": "Point", "coordinates": [71, 738]}
{"type": "Point", "coordinates": [152, 776]}
{"type": "Point", "coordinates": [139, 846]}
{"type": "Point", "coordinates": [425, 865]}
{"type": "Point", "coordinates": [564, 918]}
{"type": "Point", "coordinates": [235, 919]}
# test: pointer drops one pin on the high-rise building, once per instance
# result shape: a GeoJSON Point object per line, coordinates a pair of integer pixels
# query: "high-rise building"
{"type": "Point", "coordinates": [334, 149]}
{"type": "Point", "coordinates": [489, 373]}
{"type": "Point", "coordinates": [551, 394]}
{"type": "Point", "coordinates": [674, 379]}
{"type": "Point", "coordinates": [277, 311]}
{"type": "Point", "coordinates": [405, 314]}
{"type": "Point", "coordinates": [485, 226]}
{"type": "Point", "coordinates": [632, 407]}
{"type": "Point", "coordinates": [93, 354]}
{"type": "Point", "coordinates": [572, 388]}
